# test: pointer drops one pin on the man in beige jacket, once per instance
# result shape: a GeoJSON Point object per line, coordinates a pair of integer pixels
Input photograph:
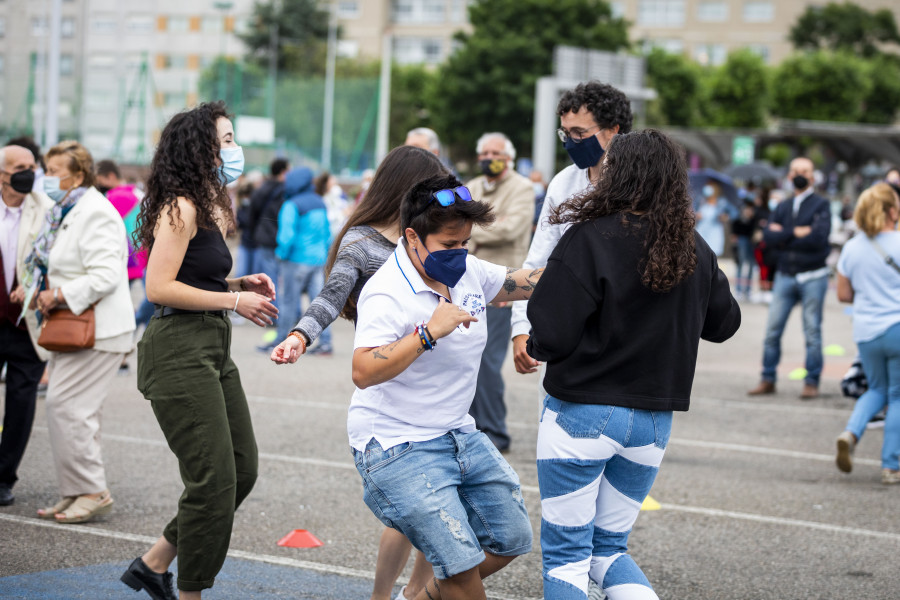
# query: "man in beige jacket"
{"type": "Point", "coordinates": [21, 217]}
{"type": "Point", "coordinates": [504, 243]}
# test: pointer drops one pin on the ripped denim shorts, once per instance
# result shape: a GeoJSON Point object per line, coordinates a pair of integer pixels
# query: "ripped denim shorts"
{"type": "Point", "coordinates": [454, 497]}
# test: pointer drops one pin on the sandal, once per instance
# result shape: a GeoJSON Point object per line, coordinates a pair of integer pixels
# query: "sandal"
{"type": "Point", "coordinates": [85, 508]}
{"type": "Point", "coordinates": [50, 511]}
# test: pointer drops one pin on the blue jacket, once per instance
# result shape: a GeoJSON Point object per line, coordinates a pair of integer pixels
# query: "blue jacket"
{"type": "Point", "coordinates": [798, 255]}
{"type": "Point", "coordinates": [303, 232]}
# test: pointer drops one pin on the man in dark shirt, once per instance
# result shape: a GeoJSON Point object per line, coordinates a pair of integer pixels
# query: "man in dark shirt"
{"type": "Point", "coordinates": [265, 203]}
{"type": "Point", "coordinates": [798, 232]}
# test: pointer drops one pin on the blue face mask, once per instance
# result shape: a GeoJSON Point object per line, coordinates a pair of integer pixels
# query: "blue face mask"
{"type": "Point", "coordinates": [708, 191]}
{"type": "Point", "coordinates": [445, 266]}
{"type": "Point", "coordinates": [52, 189]}
{"type": "Point", "coordinates": [232, 164]}
{"type": "Point", "coordinates": [585, 153]}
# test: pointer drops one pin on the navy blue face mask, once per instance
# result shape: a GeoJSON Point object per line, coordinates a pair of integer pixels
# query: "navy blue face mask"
{"type": "Point", "coordinates": [585, 153]}
{"type": "Point", "coordinates": [445, 266]}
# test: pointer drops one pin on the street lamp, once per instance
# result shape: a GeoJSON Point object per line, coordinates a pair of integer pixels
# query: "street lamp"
{"type": "Point", "coordinates": [224, 6]}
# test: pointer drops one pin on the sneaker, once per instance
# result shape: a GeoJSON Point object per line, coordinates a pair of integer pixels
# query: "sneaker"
{"type": "Point", "coordinates": [890, 477]}
{"type": "Point", "coordinates": [595, 592]}
{"type": "Point", "coordinates": [846, 443]}
{"type": "Point", "coordinates": [321, 351]}
{"type": "Point", "coordinates": [400, 595]}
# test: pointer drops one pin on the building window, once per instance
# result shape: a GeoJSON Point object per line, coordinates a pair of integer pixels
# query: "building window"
{"type": "Point", "coordinates": [67, 27]}
{"type": "Point", "coordinates": [177, 61]}
{"type": "Point", "coordinates": [100, 100]}
{"type": "Point", "coordinates": [712, 12]}
{"type": "Point", "coordinates": [174, 99]}
{"type": "Point", "coordinates": [759, 12]}
{"type": "Point", "coordinates": [178, 24]}
{"type": "Point", "coordinates": [66, 64]}
{"type": "Point", "coordinates": [419, 11]}
{"type": "Point", "coordinates": [133, 61]}
{"type": "Point", "coordinates": [661, 13]}
{"type": "Point", "coordinates": [38, 26]}
{"type": "Point", "coordinates": [710, 54]}
{"type": "Point", "coordinates": [409, 50]}
{"type": "Point", "coordinates": [102, 61]}
{"type": "Point", "coordinates": [211, 24]}
{"type": "Point", "coordinates": [459, 10]}
{"type": "Point", "coordinates": [671, 46]}
{"type": "Point", "coordinates": [762, 50]}
{"type": "Point", "coordinates": [104, 24]}
{"type": "Point", "coordinates": [348, 9]}
{"type": "Point", "coordinates": [139, 24]}
{"type": "Point", "coordinates": [617, 9]}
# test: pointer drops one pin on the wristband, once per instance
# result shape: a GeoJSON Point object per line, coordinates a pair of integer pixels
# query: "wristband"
{"type": "Point", "coordinates": [426, 343]}
{"type": "Point", "coordinates": [236, 300]}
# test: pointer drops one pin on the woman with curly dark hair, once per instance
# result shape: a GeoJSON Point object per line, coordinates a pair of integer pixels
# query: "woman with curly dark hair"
{"type": "Point", "coordinates": [627, 294]}
{"type": "Point", "coordinates": [184, 363]}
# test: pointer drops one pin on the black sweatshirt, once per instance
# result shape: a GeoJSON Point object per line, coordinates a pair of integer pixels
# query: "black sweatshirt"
{"type": "Point", "coordinates": [608, 339]}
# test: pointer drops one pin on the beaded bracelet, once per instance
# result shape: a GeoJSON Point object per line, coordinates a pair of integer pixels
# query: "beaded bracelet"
{"type": "Point", "coordinates": [300, 337]}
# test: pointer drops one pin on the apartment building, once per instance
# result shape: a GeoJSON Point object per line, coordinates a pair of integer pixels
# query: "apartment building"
{"type": "Point", "coordinates": [707, 30]}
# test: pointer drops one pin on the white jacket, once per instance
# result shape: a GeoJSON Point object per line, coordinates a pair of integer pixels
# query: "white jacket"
{"type": "Point", "coordinates": [89, 262]}
{"type": "Point", "coordinates": [569, 182]}
{"type": "Point", "coordinates": [34, 211]}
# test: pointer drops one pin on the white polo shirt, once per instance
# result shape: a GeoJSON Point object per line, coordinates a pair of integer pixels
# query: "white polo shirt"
{"type": "Point", "coordinates": [432, 396]}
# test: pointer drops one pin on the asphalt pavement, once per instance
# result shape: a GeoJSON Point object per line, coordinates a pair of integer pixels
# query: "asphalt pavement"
{"type": "Point", "coordinates": [751, 505]}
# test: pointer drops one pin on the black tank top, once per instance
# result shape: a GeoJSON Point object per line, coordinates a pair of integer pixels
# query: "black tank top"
{"type": "Point", "coordinates": [207, 262]}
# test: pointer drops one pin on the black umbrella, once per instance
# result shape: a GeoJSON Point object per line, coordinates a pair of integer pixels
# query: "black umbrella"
{"type": "Point", "coordinates": [728, 190]}
{"type": "Point", "coordinates": [758, 171]}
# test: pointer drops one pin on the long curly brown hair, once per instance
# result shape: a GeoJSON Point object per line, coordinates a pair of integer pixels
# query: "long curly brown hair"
{"type": "Point", "coordinates": [185, 165]}
{"type": "Point", "coordinates": [644, 173]}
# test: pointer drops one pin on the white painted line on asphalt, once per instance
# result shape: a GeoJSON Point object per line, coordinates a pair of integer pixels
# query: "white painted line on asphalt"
{"type": "Point", "coordinates": [299, 403]}
{"type": "Point", "coordinates": [241, 554]}
{"type": "Point", "coordinates": [674, 507]}
{"type": "Point", "coordinates": [767, 451]}
{"type": "Point", "coordinates": [728, 514]}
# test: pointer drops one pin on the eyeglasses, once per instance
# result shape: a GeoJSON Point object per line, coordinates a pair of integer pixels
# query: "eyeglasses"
{"type": "Point", "coordinates": [565, 136]}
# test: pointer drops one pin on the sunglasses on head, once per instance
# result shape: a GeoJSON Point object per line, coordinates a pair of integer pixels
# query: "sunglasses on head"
{"type": "Point", "coordinates": [447, 197]}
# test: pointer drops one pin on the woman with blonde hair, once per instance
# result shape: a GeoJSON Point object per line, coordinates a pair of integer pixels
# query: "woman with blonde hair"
{"type": "Point", "coordinates": [869, 277]}
{"type": "Point", "coordinates": [79, 262]}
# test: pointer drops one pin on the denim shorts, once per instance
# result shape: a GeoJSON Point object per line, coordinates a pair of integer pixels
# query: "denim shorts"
{"type": "Point", "coordinates": [453, 497]}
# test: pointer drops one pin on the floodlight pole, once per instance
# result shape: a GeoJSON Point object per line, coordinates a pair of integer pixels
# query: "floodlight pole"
{"type": "Point", "coordinates": [328, 116]}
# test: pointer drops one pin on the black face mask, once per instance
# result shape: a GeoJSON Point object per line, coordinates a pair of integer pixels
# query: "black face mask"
{"type": "Point", "coordinates": [800, 182]}
{"type": "Point", "coordinates": [22, 181]}
{"type": "Point", "coordinates": [492, 167]}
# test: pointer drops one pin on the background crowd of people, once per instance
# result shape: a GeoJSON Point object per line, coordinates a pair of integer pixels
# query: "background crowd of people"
{"type": "Point", "coordinates": [627, 246]}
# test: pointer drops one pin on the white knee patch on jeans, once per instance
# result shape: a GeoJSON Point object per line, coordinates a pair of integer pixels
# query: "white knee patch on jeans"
{"type": "Point", "coordinates": [573, 509]}
{"type": "Point", "coordinates": [573, 573]}
{"type": "Point", "coordinates": [630, 591]}
{"type": "Point", "coordinates": [619, 512]}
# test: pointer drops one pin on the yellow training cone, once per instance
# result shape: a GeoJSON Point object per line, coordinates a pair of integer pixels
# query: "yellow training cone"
{"type": "Point", "coordinates": [797, 374]}
{"type": "Point", "coordinates": [269, 336]}
{"type": "Point", "coordinates": [834, 350]}
{"type": "Point", "coordinates": [650, 504]}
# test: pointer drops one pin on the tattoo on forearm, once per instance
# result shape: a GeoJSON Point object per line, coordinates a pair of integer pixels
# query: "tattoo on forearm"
{"type": "Point", "coordinates": [378, 354]}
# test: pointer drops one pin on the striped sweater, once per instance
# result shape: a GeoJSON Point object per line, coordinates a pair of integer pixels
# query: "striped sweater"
{"type": "Point", "coordinates": [362, 252]}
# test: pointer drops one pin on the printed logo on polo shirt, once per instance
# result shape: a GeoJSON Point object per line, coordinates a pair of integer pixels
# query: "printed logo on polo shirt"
{"type": "Point", "coordinates": [473, 304]}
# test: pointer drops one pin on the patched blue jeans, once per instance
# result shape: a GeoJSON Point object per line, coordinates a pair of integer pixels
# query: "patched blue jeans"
{"type": "Point", "coordinates": [786, 293]}
{"type": "Point", "coordinates": [596, 464]}
{"type": "Point", "coordinates": [451, 496]}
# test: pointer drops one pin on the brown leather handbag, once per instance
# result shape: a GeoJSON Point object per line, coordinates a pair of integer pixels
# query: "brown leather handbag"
{"type": "Point", "coordinates": [64, 331]}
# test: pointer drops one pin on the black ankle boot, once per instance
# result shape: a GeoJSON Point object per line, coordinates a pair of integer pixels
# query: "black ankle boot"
{"type": "Point", "coordinates": [139, 577]}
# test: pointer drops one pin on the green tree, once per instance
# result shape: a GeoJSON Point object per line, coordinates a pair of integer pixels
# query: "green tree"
{"type": "Point", "coordinates": [302, 28]}
{"type": "Point", "coordinates": [883, 99]}
{"type": "Point", "coordinates": [488, 84]}
{"type": "Point", "coordinates": [739, 91]}
{"type": "Point", "coordinates": [822, 86]}
{"type": "Point", "coordinates": [410, 86]}
{"type": "Point", "coordinates": [844, 26]}
{"type": "Point", "coordinates": [676, 80]}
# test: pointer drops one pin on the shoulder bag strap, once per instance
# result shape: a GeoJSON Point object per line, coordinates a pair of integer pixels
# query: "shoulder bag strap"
{"type": "Point", "coordinates": [887, 257]}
